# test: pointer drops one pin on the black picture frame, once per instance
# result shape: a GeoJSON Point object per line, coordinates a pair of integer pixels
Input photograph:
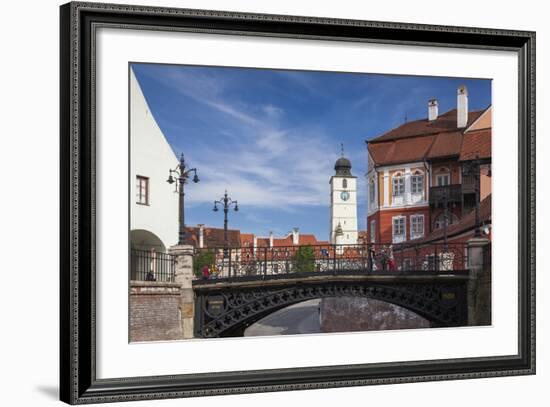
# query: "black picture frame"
{"type": "Point", "coordinates": [78, 382]}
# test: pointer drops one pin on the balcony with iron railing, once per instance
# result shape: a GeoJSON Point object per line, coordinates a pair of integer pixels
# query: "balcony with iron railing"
{"type": "Point", "coordinates": [451, 193]}
{"type": "Point", "coordinates": [468, 183]}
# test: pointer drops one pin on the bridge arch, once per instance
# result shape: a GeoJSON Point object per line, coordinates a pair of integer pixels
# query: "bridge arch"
{"type": "Point", "coordinates": [235, 310]}
{"type": "Point", "coordinates": [336, 314]}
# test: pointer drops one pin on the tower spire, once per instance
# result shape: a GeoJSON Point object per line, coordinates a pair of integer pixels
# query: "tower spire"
{"type": "Point", "coordinates": [342, 149]}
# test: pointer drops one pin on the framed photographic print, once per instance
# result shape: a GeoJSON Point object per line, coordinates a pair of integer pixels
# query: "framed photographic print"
{"type": "Point", "coordinates": [256, 203]}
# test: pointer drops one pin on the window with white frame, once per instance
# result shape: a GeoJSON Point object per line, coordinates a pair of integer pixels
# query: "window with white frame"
{"type": "Point", "coordinates": [398, 229]}
{"type": "Point", "coordinates": [142, 190]}
{"type": "Point", "coordinates": [373, 231]}
{"type": "Point", "coordinates": [371, 191]}
{"type": "Point", "coordinates": [443, 177]}
{"type": "Point", "coordinates": [398, 185]}
{"type": "Point", "coordinates": [417, 183]}
{"type": "Point", "coordinates": [442, 180]}
{"type": "Point", "coordinates": [417, 226]}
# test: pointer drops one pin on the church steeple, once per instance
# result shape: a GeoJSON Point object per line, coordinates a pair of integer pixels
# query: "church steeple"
{"type": "Point", "coordinates": [342, 165]}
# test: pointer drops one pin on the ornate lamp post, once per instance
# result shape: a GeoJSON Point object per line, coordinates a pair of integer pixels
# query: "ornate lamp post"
{"type": "Point", "coordinates": [227, 202]}
{"type": "Point", "coordinates": [183, 174]}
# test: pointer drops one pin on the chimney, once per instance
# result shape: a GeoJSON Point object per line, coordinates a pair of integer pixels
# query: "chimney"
{"type": "Point", "coordinates": [461, 107]}
{"type": "Point", "coordinates": [201, 236]}
{"type": "Point", "coordinates": [270, 239]}
{"type": "Point", "coordinates": [433, 110]}
{"type": "Point", "coordinates": [295, 237]}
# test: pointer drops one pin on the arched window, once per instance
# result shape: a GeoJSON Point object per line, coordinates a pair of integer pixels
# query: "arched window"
{"type": "Point", "coordinates": [440, 220]}
{"type": "Point", "coordinates": [344, 183]}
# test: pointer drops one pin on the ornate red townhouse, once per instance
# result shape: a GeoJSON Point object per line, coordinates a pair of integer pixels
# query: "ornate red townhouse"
{"type": "Point", "coordinates": [420, 168]}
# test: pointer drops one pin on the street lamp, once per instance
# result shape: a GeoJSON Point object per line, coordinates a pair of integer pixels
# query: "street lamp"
{"type": "Point", "coordinates": [227, 202]}
{"type": "Point", "coordinates": [183, 174]}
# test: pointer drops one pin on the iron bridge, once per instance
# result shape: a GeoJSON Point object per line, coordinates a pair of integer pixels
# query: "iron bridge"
{"type": "Point", "coordinates": [429, 281]}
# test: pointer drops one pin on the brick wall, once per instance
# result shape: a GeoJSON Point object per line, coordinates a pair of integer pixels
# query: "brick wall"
{"type": "Point", "coordinates": [154, 311]}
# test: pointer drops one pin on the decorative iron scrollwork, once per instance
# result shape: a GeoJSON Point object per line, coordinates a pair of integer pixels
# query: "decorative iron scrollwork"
{"type": "Point", "coordinates": [431, 300]}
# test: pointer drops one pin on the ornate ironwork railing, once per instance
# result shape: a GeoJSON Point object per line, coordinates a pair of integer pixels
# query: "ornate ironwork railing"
{"type": "Point", "coordinates": [280, 261]}
{"type": "Point", "coordinates": [451, 193]}
{"type": "Point", "coordinates": [151, 266]}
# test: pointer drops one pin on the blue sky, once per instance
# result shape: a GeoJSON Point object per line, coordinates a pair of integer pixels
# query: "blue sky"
{"type": "Point", "coordinates": [271, 137]}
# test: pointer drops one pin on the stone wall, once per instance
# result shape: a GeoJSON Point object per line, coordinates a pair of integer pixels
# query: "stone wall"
{"type": "Point", "coordinates": [479, 285]}
{"type": "Point", "coordinates": [154, 311]}
{"type": "Point", "coordinates": [161, 311]}
{"type": "Point", "coordinates": [348, 314]}
{"type": "Point", "coordinates": [184, 279]}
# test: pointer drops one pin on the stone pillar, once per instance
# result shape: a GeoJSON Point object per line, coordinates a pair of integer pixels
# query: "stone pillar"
{"type": "Point", "coordinates": [479, 283]}
{"type": "Point", "coordinates": [184, 277]}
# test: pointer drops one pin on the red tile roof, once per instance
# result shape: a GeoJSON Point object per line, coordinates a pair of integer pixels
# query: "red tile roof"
{"type": "Point", "coordinates": [308, 239]}
{"type": "Point", "coordinates": [445, 145]}
{"type": "Point", "coordinates": [445, 122]}
{"type": "Point", "coordinates": [421, 140]}
{"type": "Point", "coordinates": [303, 239]}
{"type": "Point", "coordinates": [476, 143]}
{"type": "Point", "coordinates": [247, 239]}
{"type": "Point", "coordinates": [213, 237]}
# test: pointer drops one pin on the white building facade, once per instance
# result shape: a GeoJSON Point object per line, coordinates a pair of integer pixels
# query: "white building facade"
{"type": "Point", "coordinates": [153, 202]}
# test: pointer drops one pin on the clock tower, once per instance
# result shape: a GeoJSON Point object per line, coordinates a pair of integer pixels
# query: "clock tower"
{"type": "Point", "coordinates": [343, 203]}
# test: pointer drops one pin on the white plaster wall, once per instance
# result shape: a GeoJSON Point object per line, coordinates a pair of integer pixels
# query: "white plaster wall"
{"type": "Point", "coordinates": [344, 212]}
{"type": "Point", "coordinates": [151, 156]}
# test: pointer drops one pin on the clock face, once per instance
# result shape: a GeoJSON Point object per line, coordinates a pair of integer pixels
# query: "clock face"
{"type": "Point", "coordinates": [344, 195]}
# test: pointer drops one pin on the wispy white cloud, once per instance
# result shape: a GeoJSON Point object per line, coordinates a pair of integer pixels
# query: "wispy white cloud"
{"type": "Point", "coordinates": [268, 163]}
{"type": "Point", "coordinates": [273, 111]}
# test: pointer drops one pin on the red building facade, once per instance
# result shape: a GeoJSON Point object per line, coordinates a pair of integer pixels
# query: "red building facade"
{"type": "Point", "coordinates": [427, 174]}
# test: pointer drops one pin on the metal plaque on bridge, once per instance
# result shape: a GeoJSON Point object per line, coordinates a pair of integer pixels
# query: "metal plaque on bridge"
{"type": "Point", "coordinates": [215, 305]}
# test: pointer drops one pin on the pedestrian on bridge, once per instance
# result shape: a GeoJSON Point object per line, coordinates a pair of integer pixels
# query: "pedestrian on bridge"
{"type": "Point", "coordinates": [205, 272]}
